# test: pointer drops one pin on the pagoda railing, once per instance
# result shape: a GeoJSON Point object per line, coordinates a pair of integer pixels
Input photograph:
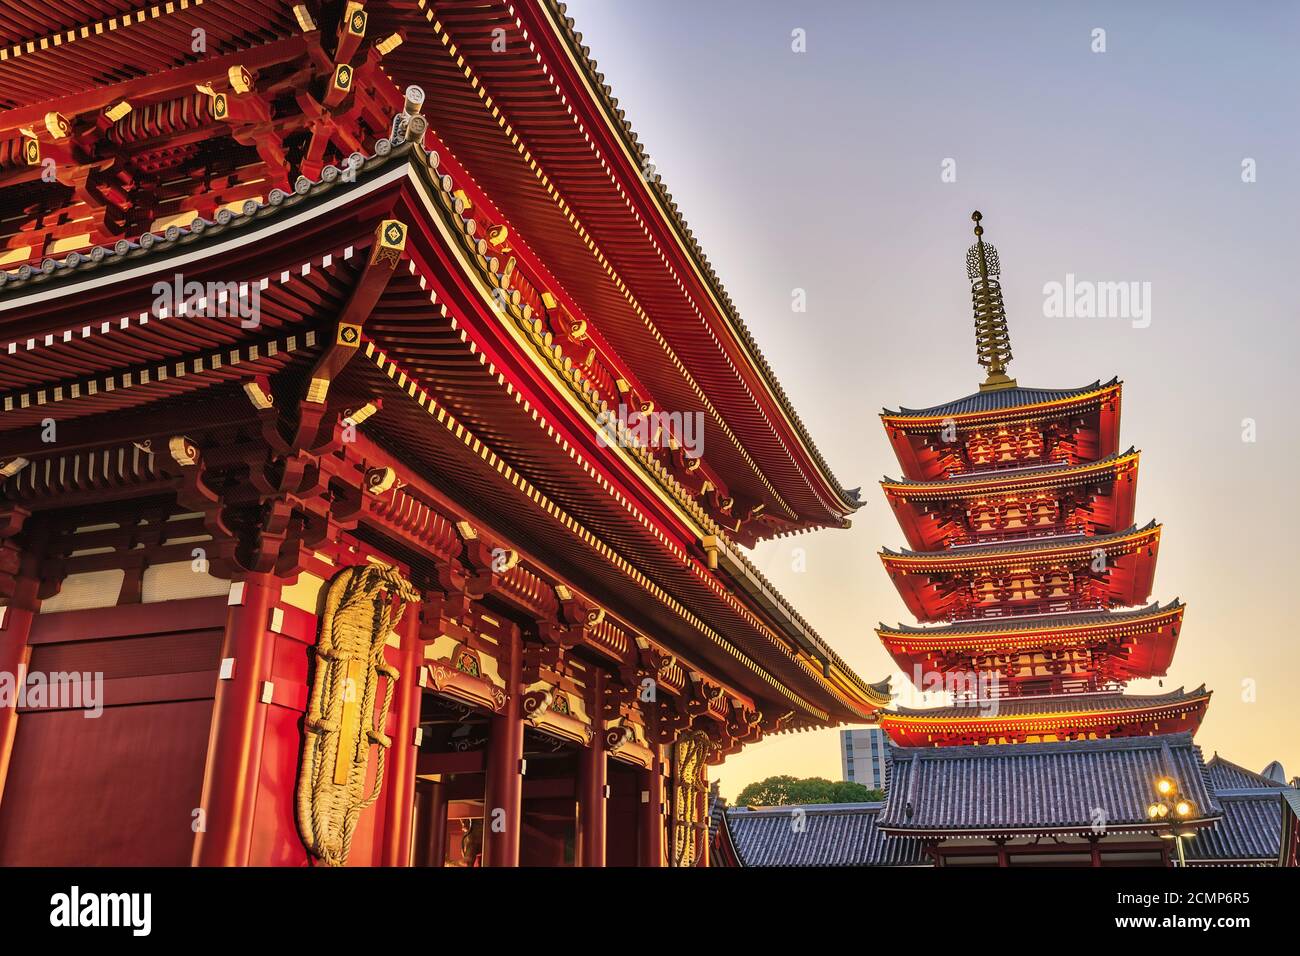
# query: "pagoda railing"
{"type": "Point", "coordinates": [1025, 608]}
{"type": "Point", "coordinates": [1000, 469]}
{"type": "Point", "coordinates": [1012, 690]}
{"type": "Point", "coordinates": [969, 539]}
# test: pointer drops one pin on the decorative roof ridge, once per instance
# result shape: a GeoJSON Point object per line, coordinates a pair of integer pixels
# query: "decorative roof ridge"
{"type": "Point", "coordinates": [1030, 622]}
{"type": "Point", "coordinates": [1252, 793]}
{"type": "Point", "coordinates": [1082, 391]}
{"type": "Point", "coordinates": [1015, 547]}
{"type": "Point", "coordinates": [153, 243]}
{"type": "Point", "coordinates": [1217, 760]}
{"type": "Point", "coordinates": [1182, 739]}
{"type": "Point", "coordinates": [827, 809]}
{"type": "Point", "coordinates": [1046, 470]}
{"type": "Point", "coordinates": [583, 56]}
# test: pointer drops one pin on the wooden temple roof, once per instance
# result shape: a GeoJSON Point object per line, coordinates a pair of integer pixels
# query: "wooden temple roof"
{"type": "Point", "coordinates": [544, 139]}
{"type": "Point", "coordinates": [1017, 400]}
{"type": "Point", "coordinates": [442, 399]}
{"type": "Point", "coordinates": [1043, 788]}
{"type": "Point", "coordinates": [832, 834]}
{"type": "Point", "coordinates": [1251, 829]}
{"type": "Point", "coordinates": [1226, 775]}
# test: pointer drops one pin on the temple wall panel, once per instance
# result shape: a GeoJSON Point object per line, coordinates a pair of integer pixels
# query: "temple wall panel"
{"type": "Point", "coordinates": [120, 788]}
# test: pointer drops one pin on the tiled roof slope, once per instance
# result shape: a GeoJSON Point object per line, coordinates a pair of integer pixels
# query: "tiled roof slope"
{"type": "Point", "coordinates": [1000, 399]}
{"type": "Point", "coordinates": [833, 834]}
{"type": "Point", "coordinates": [1070, 785]}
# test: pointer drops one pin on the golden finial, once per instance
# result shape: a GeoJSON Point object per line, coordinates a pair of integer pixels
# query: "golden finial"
{"type": "Point", "coordinates": [992, 340]}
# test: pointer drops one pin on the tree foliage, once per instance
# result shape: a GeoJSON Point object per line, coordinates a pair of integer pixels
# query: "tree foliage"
{"type": "Point", "coordinates": [785, 791]}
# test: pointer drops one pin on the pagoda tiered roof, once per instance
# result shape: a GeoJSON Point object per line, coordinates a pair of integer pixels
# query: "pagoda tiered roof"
{"type": "Point", "coordinates": [1046, 788]}
{"type": "Point", "coordinates": [1110, 487]}
{"type": "Point", "coordinates": [1016, 399]}
{"type": "Point", "coordinates": [1144, 638]}
{"type": "Point", "coordinates": [1130, 558]}
{"type": "Point", "coordinates": [1048, 475]}
{"type": "Point", "coordinates": [1102, 714]}
{"type": "Point", "coordinates": [833, 834]}
{"type": "Point", "coordinates": [925, 440]}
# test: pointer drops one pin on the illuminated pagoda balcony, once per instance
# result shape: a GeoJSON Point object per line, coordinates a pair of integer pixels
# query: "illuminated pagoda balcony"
{"type": "Point", "coordinates": [1048, 575]}
{"type": "Point", "coordinates": [1017, 504]}
{"type": "Point", "coordinates": [1052, 717]}
{"type": "Point", "coordinates": [1093, 648]}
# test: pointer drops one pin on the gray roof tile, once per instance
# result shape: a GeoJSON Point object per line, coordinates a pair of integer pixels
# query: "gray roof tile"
{"type": "Point", "coordinates": [1043, 786]}
{"type": "Point", "coordinates": [836, 834]}
{"type": "Point", "coordinates": [1000, 400]}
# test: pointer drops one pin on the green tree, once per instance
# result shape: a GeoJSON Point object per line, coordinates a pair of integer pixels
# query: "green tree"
{"type": "Point", "coordinates": [785, 791]}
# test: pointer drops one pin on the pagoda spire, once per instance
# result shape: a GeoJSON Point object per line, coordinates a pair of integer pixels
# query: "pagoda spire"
{"type": "Point", "coordinates": [992, 340]}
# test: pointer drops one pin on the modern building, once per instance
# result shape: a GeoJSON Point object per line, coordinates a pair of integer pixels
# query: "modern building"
{"type": "Point", "coordinates": [862, 756]}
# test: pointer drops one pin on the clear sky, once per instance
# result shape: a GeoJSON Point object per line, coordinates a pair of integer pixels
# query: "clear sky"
{"type": "Point", "coordinates": [822, 171]}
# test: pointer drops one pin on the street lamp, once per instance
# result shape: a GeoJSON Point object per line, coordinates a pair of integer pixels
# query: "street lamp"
{"type": "Point", "coordinates": [1169, 804]}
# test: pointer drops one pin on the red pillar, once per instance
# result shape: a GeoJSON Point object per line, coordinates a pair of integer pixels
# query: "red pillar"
{"type": "Point", "coordinates": [431, 849]}
{"type": "Point", "coordinates": [238, 726]}
{"type": "Point", "coordinates": [651, 831]}
{"type": "Point", "coordinates": [593, 775]}
{"type": "Point", "coordinates": [399, 801]}
{"type": "Point", "coordinates": [15, 653]}
{"type": "Point", "coordinates": [503, 803]}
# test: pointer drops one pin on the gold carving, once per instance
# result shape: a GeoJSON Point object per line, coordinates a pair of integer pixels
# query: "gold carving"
{"type": "Point", "coordinates": [362, 607]}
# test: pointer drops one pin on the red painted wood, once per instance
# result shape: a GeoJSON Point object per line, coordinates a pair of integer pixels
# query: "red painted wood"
{"type": "Point", "coordinates": [238, 729]}
{"type": "Point", "coordinates": [593, 774]}
{"type": "Point", "coordinates": [15, 652]}
{"type": "Point", "coordinates": [399, 796]}
{"type": "Point", "coordinates": [505, 755]}
{"type": "Point", "coordinates": [651, 827]}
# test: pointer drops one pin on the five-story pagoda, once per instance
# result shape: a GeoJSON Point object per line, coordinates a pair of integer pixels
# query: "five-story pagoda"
{"type": "Point", "coordinates": [1018, 509]}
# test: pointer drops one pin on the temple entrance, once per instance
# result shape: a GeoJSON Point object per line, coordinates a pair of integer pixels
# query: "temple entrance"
{"type": "Point", "coordinates": [623, 815]}
{"type": "Point", "coordinates": [550, 804]}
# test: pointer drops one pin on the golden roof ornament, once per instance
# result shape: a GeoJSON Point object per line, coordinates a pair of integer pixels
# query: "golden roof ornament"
{"type": "Point", "coordinates": [992, 340]}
